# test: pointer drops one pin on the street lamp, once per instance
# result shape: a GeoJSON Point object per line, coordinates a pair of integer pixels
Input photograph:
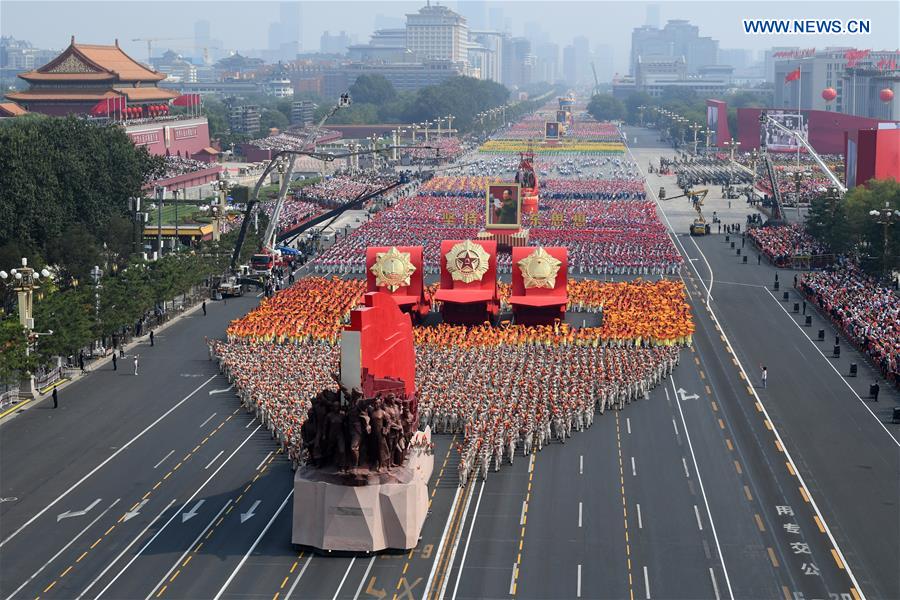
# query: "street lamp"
{"type": "Point", "coordinates": [24, 281]}
{"type": "Point", "coordinates": [732, 145]}
{"type": "Point", "coordinates": [695, 127]}
{"type": "Point", "coordinates": [885, 217]}
{"type": "Point", "coordinates": [641, 113]}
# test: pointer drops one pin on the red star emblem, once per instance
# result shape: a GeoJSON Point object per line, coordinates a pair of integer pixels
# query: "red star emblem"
{"type": "Point", "coordinates": [466, 261]}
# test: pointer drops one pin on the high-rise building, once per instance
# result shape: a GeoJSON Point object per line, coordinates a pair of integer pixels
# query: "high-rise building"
{"type": "Point", "coordinates": [652, 16]}
{"type": "Point", "coordinates": [577, 62]}
{"type": "Point", "coordinates": [568, 65]}
{"type": "Point", "coordinates": [284, 35]}
{"type": "Point", "coordinates": [604, 56]}
{"type": "Point", "coordinates": [437, 33]}
{"type": "Point", "coordinates": [334, 44]}
{"type": "Point", "coordinates": [244, 119]}
{"type": "Point", "coordinates": [486, 54]}
{"type": "Point", "coordinates": [677, 38]}
{"type": "Point", "coordinates": [302, 112]}
{"type": "Point", "coordinates": [518, 62]}
{"type": "Point", "coordinates": [546, 66]}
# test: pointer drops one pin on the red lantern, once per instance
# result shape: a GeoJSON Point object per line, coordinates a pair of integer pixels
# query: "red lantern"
{"type": "Point", "coordinates": [886, 95]}
{"type": "Point", "coordinates": [829, 94]}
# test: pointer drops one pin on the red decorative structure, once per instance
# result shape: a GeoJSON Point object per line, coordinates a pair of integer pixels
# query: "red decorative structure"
{"type": "Point", "coordinates": [468, 292]}
{"type": "Point", "coordinates": [829, 94]}
{"type": "Point", "coordinates": [384, 275]}
{"type": "Point", "coordinates": [539, 284]}
{"type": "Point", "coordinates": [886, 95]}
{"type": "Point", "coordinates": [528, 180]}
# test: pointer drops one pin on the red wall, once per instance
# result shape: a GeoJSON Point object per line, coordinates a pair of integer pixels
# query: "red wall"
{"type": "Point", "coordinates": [826, 129]}
{"type": "Point", "coordinates": [186, 136]}
{"type": "Point", "coordinates": [721, 133]}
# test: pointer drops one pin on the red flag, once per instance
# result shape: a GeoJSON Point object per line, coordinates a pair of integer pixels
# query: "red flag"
{"type": "Point", "coordinates": [793, 75]}
{"type": "Point", "coordinates": [108, 105]}
{"type": "Point", "coordinates": [187, 100]}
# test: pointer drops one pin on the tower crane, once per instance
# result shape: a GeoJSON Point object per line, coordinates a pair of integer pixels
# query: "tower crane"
{"type": "Point", "coordinates": [596, 80]}
{"type": "Point", "coordinates": [150, 43]}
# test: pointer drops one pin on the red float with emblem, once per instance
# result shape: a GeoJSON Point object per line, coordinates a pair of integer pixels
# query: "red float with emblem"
{"type": "Point", "coordinates": [539, 279]}
{"type": "Point", "coordinates": [398, 271]}
{"type": "Point", "coordinates": [468, 292]}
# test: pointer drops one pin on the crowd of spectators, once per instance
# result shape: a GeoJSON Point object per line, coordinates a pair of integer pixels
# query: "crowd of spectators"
{"type": "Point", "coordinates": [176, 165]}
{"type": "Point", "coordinates": [867, 312]}
{"type": "Point", "coordinates": [334, 191]}
{"type": "Point", "coordinates": [781, 243]}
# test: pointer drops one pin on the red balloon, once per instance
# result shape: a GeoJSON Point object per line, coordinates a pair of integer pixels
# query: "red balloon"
{"type": "Point", "coordinates": [829, 94]}
{"type": "Point", "coordinates": [886, 95]}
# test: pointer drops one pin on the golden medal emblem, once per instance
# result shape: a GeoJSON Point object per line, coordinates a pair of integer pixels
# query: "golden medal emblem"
{"type": "Point", "coordinates": [539, 269]}
{"type": "Point", "coordinates": [392, 269]}
{"type": "Point", "coordinates": [467, 262]}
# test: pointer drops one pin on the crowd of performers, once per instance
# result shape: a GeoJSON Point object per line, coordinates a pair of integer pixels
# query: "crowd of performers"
{"type": "Point", "coordinates": [603, 237]}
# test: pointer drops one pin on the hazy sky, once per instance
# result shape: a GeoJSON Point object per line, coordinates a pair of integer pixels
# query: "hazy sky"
{"type": "Point", "coordinates": [244, 24]}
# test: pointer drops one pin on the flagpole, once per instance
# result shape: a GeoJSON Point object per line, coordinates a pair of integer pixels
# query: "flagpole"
{"type": "Point", "coordinates": [799, 118]}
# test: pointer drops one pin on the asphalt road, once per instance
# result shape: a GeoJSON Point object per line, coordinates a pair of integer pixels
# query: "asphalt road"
{"type": "Point", "coordinates": [158, 486]}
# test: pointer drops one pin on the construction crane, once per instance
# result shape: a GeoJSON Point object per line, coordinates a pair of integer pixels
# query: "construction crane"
{"type": "Point", "coordinates": [699, 226]}
{"type": "Point", "coordinates": [150, 44]}
{"type": "Point", "coordinates": [263, 261]}
{"type": "Point", "coordinates": [765, 119]}
{"type": "Point", "coordinates": [596, 80]}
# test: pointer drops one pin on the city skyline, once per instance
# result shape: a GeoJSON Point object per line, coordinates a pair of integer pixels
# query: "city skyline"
{"type": "Point", "coordinates": [568, 20]}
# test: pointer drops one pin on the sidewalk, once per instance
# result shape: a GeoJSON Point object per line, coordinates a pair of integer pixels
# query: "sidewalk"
{"type": "Point", "coordinates": [45, 394]}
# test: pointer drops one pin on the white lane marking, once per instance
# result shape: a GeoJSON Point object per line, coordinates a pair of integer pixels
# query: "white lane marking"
{"type": "Point", "coordinates": [628, 424]}
{"type": "Point", "coordinates": [581, 465]}
{"type": "Point", "coordinates": [675, 425]}
{"type": "Point", "coordinates": [185, 517]}
{"type": "Point", "coordinates": [228, 389]}
{"type": "Point", "coordinates": [77, 513]}
{"type": "Point", "coordinates": [208, 419]}
{"type": "Point", "coordinates": [259, 295]}
{"type": "Point", "coordinates": [127, 548]}
{"type": "Point", "coordinates": [189, 548]}
{"type": "Point", "coordinates": [299, 575]}
{"type": "Point", "coordinates": [344, 578]}
{"type": "Point", "coordinates": [441, 545]}
{"type": "Point", "coordinates": [164, 459]}
{"type": "Point", "coordinates": [640, 522]}
{"type": "Point", "coordinates": [262, 462]}
{"type": "Point", "coordinates": [255, 544]}
{"type": "Point", "coordinates": [633, 468]}
{"type": "Point", "coordinates": [246, 516]}
{"type": "Point", "coordinates": [578, 584]}
{"type": "Point", "coordinates": [522, 514]}
{"type": "Point", "coordinates": [221, 452]}
{"type": "Point", "coordinates": [715, 585]}
{"type": "Point", "coordinates": [63, 549]}
{"type": "Point", "coordinates": [728, 344]}
{"type": "Point", "coordinates": [686, 472]}
{"type": "Point", "coordinates": [646, 584]}
{"type": "Point", "coordinates": [137, 510]}
{"type": "Point", "coordinates": [462, 562]}
{"type": "Point", "coordinates": [712, 276]}
{"type": "Point", "coordinates": [833, 368]}
{"type": "Point", "coordinates": [579, 513]}
{"type": "Point", "coordinates": [101, 465]}
{"type": "Point", "coordinates": [712, 523]}
{"type": "Point", "coordinates": [167, 523]}
{"type": "Point", "coordinates": [512, 579]}
{"type": "Point", "coordinates": [697, 514]}
{"type": "Point", "coordinates": [456, 542]}
{"type": "Point", "coordinates": [365, 576]}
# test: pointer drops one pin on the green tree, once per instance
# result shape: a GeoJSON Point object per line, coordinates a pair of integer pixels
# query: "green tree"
{"type": "Point", "coordinates": [14, 359]}
{"type": "Point", "coordinates": [633, 101]}
{"type": "Point", "coordinates": [272, 118]}
{"type": "Point", "coordinates": [372, 89]}
{"type": "Point", "coordinates": [872, 237]}
{"type": "Point", "coordinates": [70, 315]}
{"type": "Point", "coordinates": [606, 108]}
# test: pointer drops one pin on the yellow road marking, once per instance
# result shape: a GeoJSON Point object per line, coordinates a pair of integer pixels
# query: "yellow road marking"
{"type": "Point", "coordinates": [728, 443]}
{"type": "Point", "coordinates": [837, 559]}
{"type": "Point", "coordinates": [787, 593]}
{"type": "Point", "coordinates": [708, 391]}
{"type": "Point", "coordinates": [721, 424]}
{"type": "Point", "coordinates": [715, 406]}
{"type": "Point", "coordinates": [790, 469]}
{"type": "Point", "coordinates": [780, 448]}
{"type": "Point", "coordinates": [748, 494]}
{"type": "Point", "coordinates": [186, 561]}
{"type": "Point", "coordinates": [768, 424]}
{"type": "Point", "coordinates": [772, 557]}
{"type": "Point", "coordinates": [759, 522]}
{"type": "Point", "coordinates": [161, 591]}
{"type": "Point", "coordinates": [749, 390]}
{"type": "Point", "coordinates": [759, 407]}
{"type": "Point", "coordinates": [66, 572]}
{"type": "Point", "coordinates": [819, 524]}
{"type": "Point", "coordinates": [737, 467]}
{"type": "Point", "coordinates": [174, 575]}
{"type": "Point", "coordinates": [805, 496]}
{"type": "Point", "coordinates": [49, 587]}
{"type": "Point", "coordinates": [741, 375]}
{"type": "Point", "coordinates": [284, 582]}
{"type": "Point", "coordinates": [854, 593]}
{"type": "Point", "coordinates": [702, 375]}
{"type": "Point", "coordinates": [83, 554]}
{"type": "Point", "coordinates": [99, 539]}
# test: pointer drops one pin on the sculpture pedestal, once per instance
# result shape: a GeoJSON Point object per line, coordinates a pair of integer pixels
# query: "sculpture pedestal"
{"type": "Point", "coordinates": [363, 512]}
